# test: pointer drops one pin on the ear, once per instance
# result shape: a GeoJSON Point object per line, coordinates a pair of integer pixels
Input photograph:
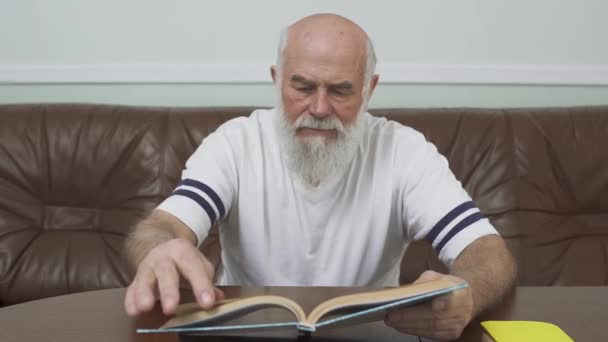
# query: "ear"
{"type": "Point", "coordinates": [273, 74]}
{"type": "Point", "coordinates": [373, 84]}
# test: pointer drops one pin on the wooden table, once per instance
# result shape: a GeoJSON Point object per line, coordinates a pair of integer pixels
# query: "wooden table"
{"type": "Point", "coordinates": [99, 316]}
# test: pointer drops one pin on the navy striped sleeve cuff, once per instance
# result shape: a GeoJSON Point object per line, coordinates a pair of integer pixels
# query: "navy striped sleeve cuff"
{"type": "Point", "coordinates": [460, 223]}
{"type": "Point", "coordinates": [200, 200]}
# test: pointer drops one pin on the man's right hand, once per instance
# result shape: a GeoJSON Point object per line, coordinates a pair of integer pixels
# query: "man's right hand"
{"type": "Point", "coordinates": [158, 277]}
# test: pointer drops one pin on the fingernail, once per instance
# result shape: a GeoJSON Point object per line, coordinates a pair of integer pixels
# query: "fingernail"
{"type": "Point", "coordinates": [170, 302]}
{"type": "Point", "coordinates": [206, 298]}
{"type": "Point", "coordinates": [146, 300]}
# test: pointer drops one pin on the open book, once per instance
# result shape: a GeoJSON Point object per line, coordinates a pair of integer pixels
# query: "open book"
{"type": "Point", "coordinates": [369, 306]}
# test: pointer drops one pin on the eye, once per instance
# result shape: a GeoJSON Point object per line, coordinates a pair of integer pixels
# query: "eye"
{"type": "Point", "coordinates": [339, 92]}
{"type": "Point", "coordinates": [306, 89]}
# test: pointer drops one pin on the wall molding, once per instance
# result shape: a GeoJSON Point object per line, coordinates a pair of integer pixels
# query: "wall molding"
{"type": "Point", "coordinates": [259, 73]}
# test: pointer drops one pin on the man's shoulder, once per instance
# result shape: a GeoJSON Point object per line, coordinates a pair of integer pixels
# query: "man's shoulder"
{"type": "Point", "coordinates": [246, 130]}
{"type": "Point", "coordinates": [383, 131]}
{"type": "Point", "coordinates": [258, 119]}
{"type": "Point", "coordinates": [245, 134]}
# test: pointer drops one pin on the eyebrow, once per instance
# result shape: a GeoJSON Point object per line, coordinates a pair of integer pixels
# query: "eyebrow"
{"type": "Point", "coordinates": [301, 79]}
{"type": "Point", "coordinates": [345, 85]}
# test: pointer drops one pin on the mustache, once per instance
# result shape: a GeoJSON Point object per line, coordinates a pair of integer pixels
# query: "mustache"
{"type": "Point", "coordinates": [308, 121]}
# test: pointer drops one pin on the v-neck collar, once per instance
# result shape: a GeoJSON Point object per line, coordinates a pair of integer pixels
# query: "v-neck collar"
{"type": "Point", "coordinates": [318, 193]}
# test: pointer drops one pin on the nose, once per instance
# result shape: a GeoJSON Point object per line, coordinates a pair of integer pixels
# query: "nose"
{"type": "Point", "coordinates": [319, 106]}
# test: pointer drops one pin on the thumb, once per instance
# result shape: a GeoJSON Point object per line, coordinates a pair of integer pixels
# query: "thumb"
{"type": "Point", "coordinates": [428, 275]}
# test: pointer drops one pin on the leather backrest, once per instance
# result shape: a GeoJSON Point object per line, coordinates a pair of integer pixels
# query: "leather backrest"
{"type": "Point", "coordinates": [540, 175]}
{"type": "Point", "coordinates": [75, 178]}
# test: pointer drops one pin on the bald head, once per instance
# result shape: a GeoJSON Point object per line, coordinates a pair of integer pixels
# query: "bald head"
{"type": "Point", "coordinates": [328, 35]}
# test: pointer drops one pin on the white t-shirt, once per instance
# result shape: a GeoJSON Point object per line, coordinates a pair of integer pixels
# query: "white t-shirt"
{"type": "Point", "coordinates": [352, 230]}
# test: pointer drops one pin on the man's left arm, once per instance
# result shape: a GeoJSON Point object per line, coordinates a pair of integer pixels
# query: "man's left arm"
{"type": "Point", "coordinates": [489, 269]}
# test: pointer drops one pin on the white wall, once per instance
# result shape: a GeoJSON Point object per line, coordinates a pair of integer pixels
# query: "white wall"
{"type": "Point", "coordinates": [196, 52]}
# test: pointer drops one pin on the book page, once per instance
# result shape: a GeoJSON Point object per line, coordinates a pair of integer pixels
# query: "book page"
{"type": "Point", "coordinates": [360, 303]}
{"type": "Point", "coordinates": [190, 315]}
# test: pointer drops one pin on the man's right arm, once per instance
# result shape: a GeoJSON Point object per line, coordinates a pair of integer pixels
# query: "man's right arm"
{"type": "Point", "coordinates": [163, 249]}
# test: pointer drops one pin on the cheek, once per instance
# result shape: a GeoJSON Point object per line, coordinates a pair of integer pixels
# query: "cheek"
{"type": "Point", "coordinates": [294, 104]}
{"type": "Point", "coordinates": [347, 112]}
{"type": "Point", "coordinates": [292, 117]}
{"type": "Point", "coordinates": [293, 96]}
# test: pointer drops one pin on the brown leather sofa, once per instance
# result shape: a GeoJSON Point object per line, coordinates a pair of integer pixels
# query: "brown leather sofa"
{"type": "Point", "coordinates": [74, 178]}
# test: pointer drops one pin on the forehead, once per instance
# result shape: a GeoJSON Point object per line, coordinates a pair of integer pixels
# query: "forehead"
{"type": "Point", "coordinates": [332, 57]}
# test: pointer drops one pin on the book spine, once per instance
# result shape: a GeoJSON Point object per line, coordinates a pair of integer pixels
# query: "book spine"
{"type": "Point", "coordinates": [306, 327]}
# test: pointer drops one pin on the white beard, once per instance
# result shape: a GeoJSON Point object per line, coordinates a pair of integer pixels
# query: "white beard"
{"type": "Point", "coordinates": [314, 159]}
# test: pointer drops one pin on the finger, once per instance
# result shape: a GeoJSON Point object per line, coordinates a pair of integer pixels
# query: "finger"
{"type": "Point", "coordinates": [129, 303]}
{"type": "Point", "coordinates": [417, 312]}
{"type": "Point", "coordinates": [192, 267]}
{"type": "Point", "coordinates": [144, 288]}
{"type": "Point", "coordinates": [457, 301]}
{"type": "Point", "coordinates": [428, 275]}
{"type": "Point", "coordinates": [441, 307]}
{"type": "Point", "coordinates": [168, 286]}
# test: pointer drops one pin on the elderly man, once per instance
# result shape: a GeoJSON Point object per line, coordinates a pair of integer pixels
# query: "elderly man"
{"type": "Point", "coordinates": [319, 192]}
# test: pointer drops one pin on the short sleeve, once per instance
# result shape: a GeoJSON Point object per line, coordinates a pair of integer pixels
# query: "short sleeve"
{"type": "Point", "coordinates": [207, 188]}
{"type": "Point", "coordinates": [435, 205]}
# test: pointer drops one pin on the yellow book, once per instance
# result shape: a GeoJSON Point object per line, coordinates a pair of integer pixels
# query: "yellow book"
{"type": "Point", "coordinates": [525, 331]}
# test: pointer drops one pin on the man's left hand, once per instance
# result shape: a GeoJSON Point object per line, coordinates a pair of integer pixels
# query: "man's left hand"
{"type": "Point", "coordinates": [442, 319]}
